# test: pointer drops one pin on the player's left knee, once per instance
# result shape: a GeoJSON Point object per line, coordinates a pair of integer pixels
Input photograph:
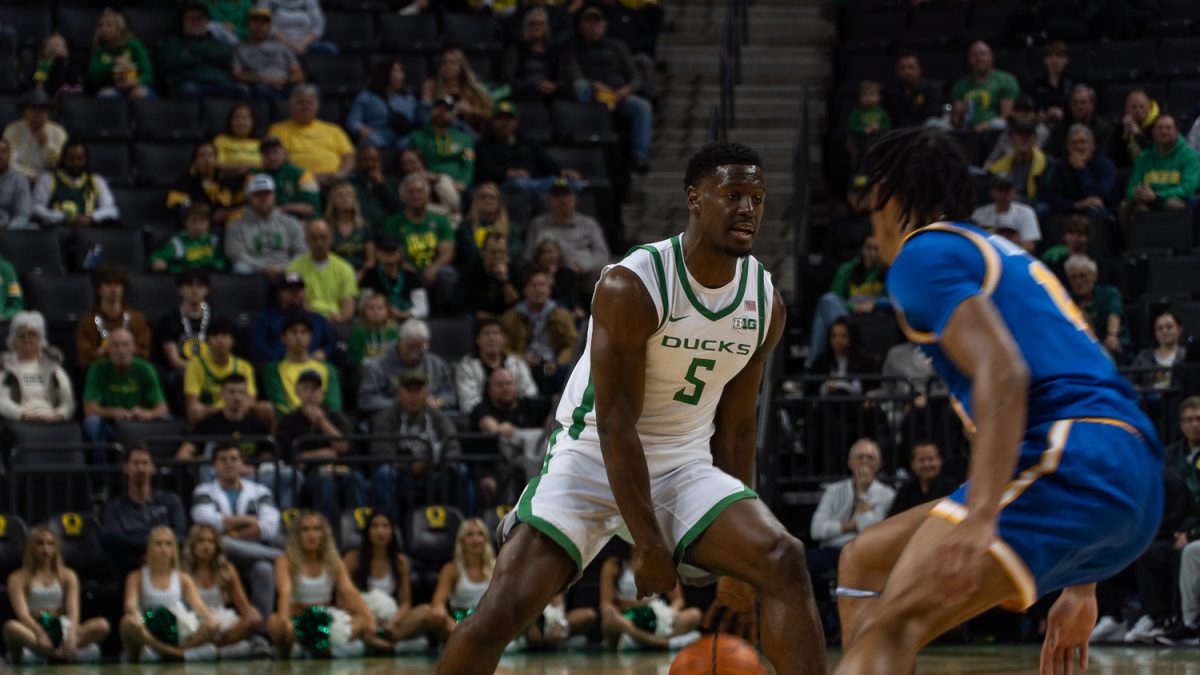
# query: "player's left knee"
{"type": "Point", "coordinates": [785, 562]}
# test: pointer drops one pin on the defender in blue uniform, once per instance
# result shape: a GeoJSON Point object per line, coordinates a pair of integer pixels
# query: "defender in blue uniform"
{"type": "Point", "coordinates": [1065, 486]}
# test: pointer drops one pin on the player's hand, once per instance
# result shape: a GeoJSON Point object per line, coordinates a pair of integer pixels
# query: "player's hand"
{"type": "Point", "coordinates": [654, 571]}
{"type": "Point", "coordinates": [733, 610]}
{"type": "Point", "coordinates": [960, 558]}
{"type": "Point", "coordinates": [1068, 629]}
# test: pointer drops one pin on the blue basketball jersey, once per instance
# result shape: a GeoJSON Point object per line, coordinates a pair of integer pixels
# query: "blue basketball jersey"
{"type": "Point", "coordinates": [941, 265]}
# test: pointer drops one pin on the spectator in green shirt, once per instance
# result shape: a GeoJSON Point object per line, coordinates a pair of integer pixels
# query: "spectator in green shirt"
{"type": "Point", "coordinates": [296, 190]}
{"type": "Point", "coordinates": [119, 387]}
{"type": "Point", "coordinates": [427, 237]}
{"type": "Point", "coordinates": [1101, 304]}
{"type": "Point", "coordinates": [120, 65]}
{"type": "Point", "coordinates": [1165, 175]}
{"type": "Point", "coordinates": [12, 298]}
{"type": "Point", "coordinates": [858, 286]}
{"type": "Point", "coordinates": [445, 148]}
{"type": "Point", "coordinates": [867, 120]}
{"type": "Point", "coordinates": [195, 63]}
{"type": "Point", "coordinates": [193, 248]}
{"type": "Point", "coordinates": [983, 99]}
{"type": "Point", "coordinates": [229, 19]}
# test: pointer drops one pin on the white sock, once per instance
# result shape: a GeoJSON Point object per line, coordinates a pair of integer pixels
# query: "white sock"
{"type": "Point", "coordinates": [681, 641]}
{"type": "Point", "coordinates": [201, 653]}
{"type": "Point", "coordinates": [89, 654]}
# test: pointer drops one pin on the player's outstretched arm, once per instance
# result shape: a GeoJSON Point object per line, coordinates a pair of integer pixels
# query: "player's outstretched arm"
{"type": "Point", "coordinates": [733, 442]}
{"type": "Point", "coordinates": [980, 345]}
{"type": "Point", "coordinates": [623, 318]}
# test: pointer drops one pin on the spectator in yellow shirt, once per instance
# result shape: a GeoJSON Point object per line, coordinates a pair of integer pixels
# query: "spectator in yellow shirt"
{"type": "Point", "coordinates": [313, 144]}
{"type": "Point", "coordinates": [204, 373]}
{"type": "Point", "coordinates": [330, 281]}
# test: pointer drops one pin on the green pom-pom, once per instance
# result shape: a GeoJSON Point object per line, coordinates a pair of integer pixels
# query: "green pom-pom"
{"type": "Point", "coordinates": [52, 625]}
{"type": "Point", "coordinates": [311, 628]}
{"type": "Point", "coordinates": [460, 614]}
{"type": "Point", "coordinates": [161, 623]}
{"type": "Point", "coordinates": [643, 617]}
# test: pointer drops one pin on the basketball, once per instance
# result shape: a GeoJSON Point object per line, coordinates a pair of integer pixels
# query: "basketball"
{"type": "Point", "coordinates": [718, 653]}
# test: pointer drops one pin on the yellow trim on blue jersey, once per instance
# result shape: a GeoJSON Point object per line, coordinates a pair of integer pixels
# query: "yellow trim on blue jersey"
{"type": "Point", "coordinates": [1048, 464]}
{"type": "Point", "coordinates": [1114, 422]}
{"type": "Point", "coordinates": [958, 408]}
{"type": "Point", "coordinates": [1008, 560]}
{"type": "Point", "coordinates": [917, 336]}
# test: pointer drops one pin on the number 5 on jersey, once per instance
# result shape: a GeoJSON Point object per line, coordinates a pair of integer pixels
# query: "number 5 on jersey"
{"type": "Point", "coordinates": [698, 385]}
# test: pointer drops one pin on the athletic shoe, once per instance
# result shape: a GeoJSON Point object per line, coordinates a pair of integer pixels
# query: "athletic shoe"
{"type": "Point", "coordinates": [576, 642]}
{"type": "Point", "coordinates": [1144, 630]}
{"type": "Point", "coordinates": [1108, 630]}
{"type": "Point", "coordinates": [627, 643]}
{"type": "Point", "coordinates": [260, 648]}
{"type": "Point", "coordinates": [1180, 635]}
{"type": "Point", "coordinates": [680, 641]}
{"type": "Point", "coordinates": [89, 654]}
{"type": "Point", "coordinates": [237, 650]}
{"type": "Point", "coordinates": [149, 655]}
{"type": "Point", "coordinates": [350, 650]}
{"type": "Point", "coordinates": [32, 658]}
{"type": "Point", "coordinates": [411, 646]}
{"type": "Point", "coordinates": [202, 653]}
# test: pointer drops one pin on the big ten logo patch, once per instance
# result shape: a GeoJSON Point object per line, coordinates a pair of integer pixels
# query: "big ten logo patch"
{"type": "Point", "coordinates": [436, 517]}
{"type": "Point", "coordinates": [745, 324]}
{"type": "Point", "coordinates": [290, 516]}
{"type": "Point", "coordinates": [72, 524]}
{"type": "Point", "coordinates": [361, 515]}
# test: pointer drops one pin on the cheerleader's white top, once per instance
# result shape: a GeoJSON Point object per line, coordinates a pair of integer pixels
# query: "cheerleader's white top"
{"type": "Point", "coordinates": [466, 593]}
{"type": "Point", "coordinates": [211, 595]}
{"type": "Point", "coordinates": [153, 597]}
{"type": "Point", "coordinates": [386, 584]}
{"type": "Point", "coordinates": [316, 590]}
{"type": "Point", "coordinates": [45, 598]}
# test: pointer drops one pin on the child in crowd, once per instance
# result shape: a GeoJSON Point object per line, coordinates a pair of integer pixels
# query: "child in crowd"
{"type": "Point", "coordinates": [194, 247]}
{"type": "Point", "coordinates": [868, 119]}
{"type": "Point", "coordinates": [374, 331]}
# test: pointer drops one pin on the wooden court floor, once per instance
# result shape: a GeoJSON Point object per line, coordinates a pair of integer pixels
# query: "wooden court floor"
{"type": "Point", "coordinates": [978, 660]}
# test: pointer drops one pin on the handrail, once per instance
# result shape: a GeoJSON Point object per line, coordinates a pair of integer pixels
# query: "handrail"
{"type": "Point", "coordinates": [801, 195]}
{"type": "Point", "coordinates": [734, 34]}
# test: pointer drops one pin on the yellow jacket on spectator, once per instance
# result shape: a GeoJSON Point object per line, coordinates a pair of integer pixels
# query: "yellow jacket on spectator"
{"type": "Point", "coordinates": [317, 147]}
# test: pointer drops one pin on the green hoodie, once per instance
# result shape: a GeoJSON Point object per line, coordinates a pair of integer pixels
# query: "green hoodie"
{"type": "Point", "coordinates": [1175, 175]}
{"type": "Point", "coordinates": [104, 57]}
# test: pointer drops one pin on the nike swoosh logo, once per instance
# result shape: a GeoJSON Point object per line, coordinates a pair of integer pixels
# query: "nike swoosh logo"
{"type": "Point", "coordinates": [678, 318]}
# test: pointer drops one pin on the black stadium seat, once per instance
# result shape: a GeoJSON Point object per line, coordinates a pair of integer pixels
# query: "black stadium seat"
{"type": "Point", "coordinates": [335, 75]}
{"type": "Point", "coordinates": [1123, 61]}
{"type": "Point", "coordinates": [65, 487]}
{"type": "Point", "coordinates": [154, 294]}
{"type": "Point", "coordinates": [118, 246]}
{"type": "Point", "coordinates": [937, 25]}
{"type": "Point", "coordinates": [534, 120]}
{"type": "Point", "coordinates": [112, 161]}
{"type": "Point", "coordinates": [451, 339]}
{"type": "Point", "coordinates": [1179, 56]}
{"type": "Point", "coordinates": [351, 31]}
{"type": "Point", "coordinates": [78, 25]}
{"type": "Point", "coordinates": [81, 550]}
{"type": "Point", "coordinates": [410, 34]}
{"type": "Point", "coordinates": [582, 122]}
{"type": "Point", "coordinates": [93, 119]}
{"type": "Point", "coordinates": [167, 119]}
{"type": "Point", "coordinates": [1183, 96]}
{"type": "Point", "coordinates": [8, 109]}
{"type": "Point", "coordinates": [215, 114]}
{"type": "Point", "coordinates": [992, 22]}
{"type": "Point", "coordinates": [1176, 273]}
{"type": "Point", "coordinates": [32, 251]}
{"type": "Point", "coordinates": [13, 531]}
{"type": "Point", "coordinates": [152, 24]}
{"type": "Point", "coordinates": [473, 33]}
{"type": "Point", "coordinates": [160, 164]}
{"type": "Point", "coordinates": [61, 297]}
{"type": "Point", "coordinates": [130, 433]}
{"type": "Point", "coordinates": [31, 23]}
{"type": "Point", "coordinates": [588, 161]}
{"type": "Point", "coordinates": [239, 296]}
{"type": "Point", "coordinates": [1161, 229]}
{"type": "Point", "coordinates": [431, 533]}
{"type": "Point", "coordinates": [140, 206]}
{"type": "Point", "coordinates": [867, 30]}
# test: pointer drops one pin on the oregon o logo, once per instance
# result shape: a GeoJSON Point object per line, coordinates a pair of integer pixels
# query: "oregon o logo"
{"type": "Point", "coordinates": [289, 516]}
{"type": "Point", "coordinates": [72, 524]}
{"type": "Point", "coordinates": [361, 515]}
{"type": "Point", "coordinates": [503, 510]}
{"type": "Point", "coordinates": [436, 517]}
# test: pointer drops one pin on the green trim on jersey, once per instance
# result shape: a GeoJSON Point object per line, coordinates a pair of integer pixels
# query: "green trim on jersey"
{"type": "Point", "coordinates": [661, 273]}
{"type": "Point", "coordinates": [525, 510]}
{"type": "Point", "coordinates": [691, 295]}
{"type": "Point", "coordinates": [579, 416]}
{"type": "Point", "coordinates": [762, 304]}
{"type": "Point", "coordinates": [701, 525]}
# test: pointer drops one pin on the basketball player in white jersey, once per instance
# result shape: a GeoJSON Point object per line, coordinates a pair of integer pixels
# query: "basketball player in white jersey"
{"type": "Point", "coordinates": [657, 438]}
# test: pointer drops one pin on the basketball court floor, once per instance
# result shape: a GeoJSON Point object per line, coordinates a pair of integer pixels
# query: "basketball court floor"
{"type": "Point", "coordinates": [976, 660]}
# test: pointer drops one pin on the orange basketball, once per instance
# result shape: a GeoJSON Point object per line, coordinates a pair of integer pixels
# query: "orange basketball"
{"type": "Point", "coordinates": [718, 654]}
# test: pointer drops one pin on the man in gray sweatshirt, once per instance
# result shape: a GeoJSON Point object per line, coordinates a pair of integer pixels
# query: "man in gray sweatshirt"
{"type": "Point", "coordinates": [15, 205]}
{"type": "Point", "coordinates": [265, 239]}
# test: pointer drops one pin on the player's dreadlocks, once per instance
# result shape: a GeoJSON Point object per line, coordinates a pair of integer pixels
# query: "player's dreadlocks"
{"type": "Point", "coordinates": [925, 170]}
{"type": "Point", "coordinates": [705, 162]}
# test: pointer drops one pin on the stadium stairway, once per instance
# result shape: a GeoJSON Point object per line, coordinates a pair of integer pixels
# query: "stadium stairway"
{"type": "Point", "coordinates": [788, 46]}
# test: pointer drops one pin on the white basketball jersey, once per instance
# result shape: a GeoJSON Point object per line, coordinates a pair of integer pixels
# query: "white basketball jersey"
{"type": "Point", "coordinates": [704, 338]}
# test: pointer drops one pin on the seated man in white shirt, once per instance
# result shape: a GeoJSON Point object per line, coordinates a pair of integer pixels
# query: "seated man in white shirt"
{"type": "Point", "coordinates": [848, 507]}
{"type": "Point", "coordinates": [244, 513]}
{"type": "Point", "coordinates": [1006, 213]}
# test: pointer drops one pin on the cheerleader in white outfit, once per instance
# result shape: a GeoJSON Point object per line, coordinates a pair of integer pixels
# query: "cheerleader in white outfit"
{"type": "Point", "coordinates": [44, 595]}
{"type": "Point", "coordinates": [380, 572]}
{"type": "Point", "coordinates": [159, 587]}
{"type": "Point", "coordinates": [311, 575]}
{"type": "Point", "coordinates": [463, 580]}
{"type": "Point", "coordinates": [625, 619]}
{"type": "Point", "coordinates": [219, 586]}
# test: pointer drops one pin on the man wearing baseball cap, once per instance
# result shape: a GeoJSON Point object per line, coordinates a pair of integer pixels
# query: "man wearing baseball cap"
{"type": "Point", "coordinates": [445, 148]}
{"type": "Point", "coordinates": [194, 62]}
{"type": "Point", "coordinates": [510, 160]}
{"type": "Point", "coordinates": [296, 190]}
{"type": "Point", "coordinates": [267, 65]}
{"type": "Point", "coordinates": [264, 239]}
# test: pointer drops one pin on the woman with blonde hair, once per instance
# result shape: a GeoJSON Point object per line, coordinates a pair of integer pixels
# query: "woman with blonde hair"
{"type": "Point", "coordinates": [487, 214]}
{"type": "Point", "coordinates": [381, 572]}
{"type": "Point", "coordinates": [34, 387]}
{"type": "Point", "coordinates": [462, 581]}
{"type": "Point", "coordinates": [455, 78]}
{"type": "Point", "coordinates": [164, 615]}
{"type": "Point", "coordinates": [352, 235]}
{"type": "Point", "coordinates": [44, 595]}
{"type": "Point", "coordinates": [319, 609]}
{"type": "Point", "coordinates": [120, 65]}
{"type": "Point", "coordinates": [218, 585]}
